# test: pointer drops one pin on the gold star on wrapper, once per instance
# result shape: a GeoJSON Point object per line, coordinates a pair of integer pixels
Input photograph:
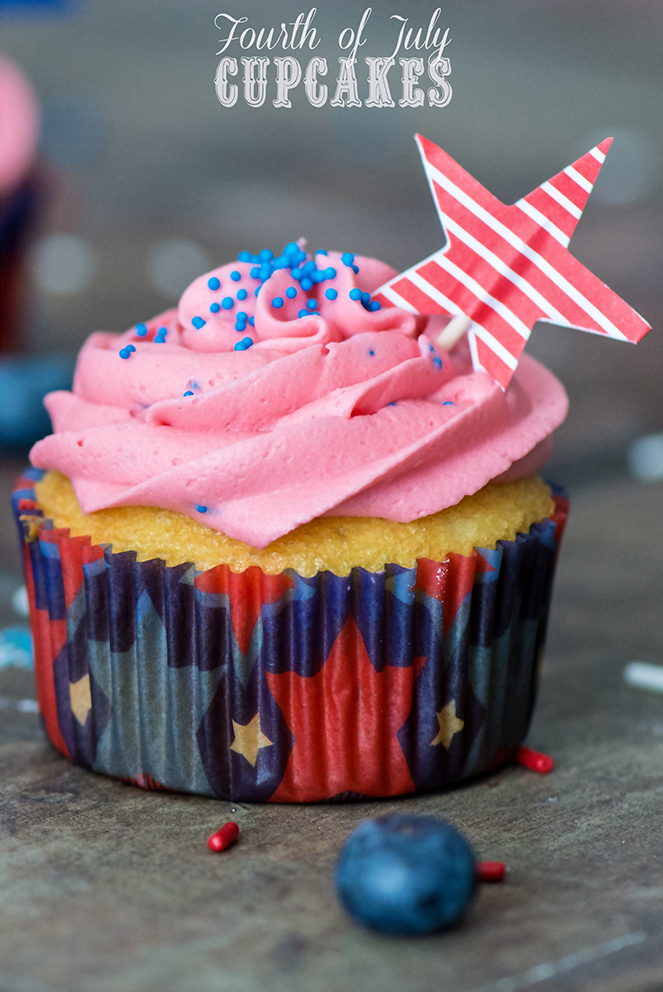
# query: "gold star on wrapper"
{"type": "Point", "coordinates": [249, 739]}
{"type": "Point", "coordinates": [80, 698]}
{"type": "Point", "coordinates": [449, 723]}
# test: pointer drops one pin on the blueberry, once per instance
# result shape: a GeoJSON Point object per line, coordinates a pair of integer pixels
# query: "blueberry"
{"type": "Point", "coordinates": [406, 874]}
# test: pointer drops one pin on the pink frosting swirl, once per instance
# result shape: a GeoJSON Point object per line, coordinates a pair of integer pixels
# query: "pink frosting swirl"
{"type": "Point", "coordinates": [239, 412]}
{"type": "Point", "coordinates": [19, 125]}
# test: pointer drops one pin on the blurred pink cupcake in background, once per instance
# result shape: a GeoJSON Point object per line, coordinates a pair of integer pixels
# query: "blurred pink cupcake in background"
{"type": "Point", "coordinates": [24, 377]}
{"type": "Point", "coordinates": [19, 131]}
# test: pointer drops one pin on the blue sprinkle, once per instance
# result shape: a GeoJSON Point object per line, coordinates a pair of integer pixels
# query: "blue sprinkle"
{"type": "Point", "coordinates": [277, 302]}
{"type": "Point", "coordinates": [201, 509]}
{"type": "Point", "coordinates": [448, 403]}
{"type": "Point", "coordinates": [124, 352]}
{"type": "Point", "coordinates": [303, 313]}
{"type": "Point", "coordinates": [355, 294]}
{"type": "Point", "coordinates": [252, 321]}
{"type": "Point", "coordinates": [300, 256]}
{"type": "Point", "coordinates": [437, 362]}
{"type": "Point", "coordinates": [296, 273]}
{"type": "Point", "coordinates": [189, 392]}
{"type": "Point", "coordinates": [240, 325]}
{"type": "Point", "coordinates": [243, 344]}
{"type": "Point", "coordinates": [198, 322]}
{"type": "Point", "coordinates": [291, 249]}
{"type": "Point", "coordinates": [312, 304]}
{"type": "Point", "coordinates": [309, 268]}
{"type": "Point", "coordinates": [235, 275]}
{"type": "Point", "coordinates": [291, 292]}
{"type": "Point", "coordinates": [141, 330]}
{"type": "Point", "coordinates": [227, 303]}
{"type": "Point", "coordinates": [266, 255]}
{"type": "Point", "coordinates": [160, 336]}
{"type": "Point", "coordinates": [266, 271]}
{"type": "Point", "coordinates": [331, 294]}
{"type": "Point", "coordinates": [255, 272]}
{"type": "Point", "coordinates": [374, 305]}
{"type": "Point", "coordinates": [330, 273]}
{"type": "Point", "coordinates": [306, 284]}
{"type": "Point", "coordinates": [282, 262]}
{"type": "Point", "coordinates": [241, 294]}
{"type": "Point", "coordinates": [371, 352]}
{"type": "Point", "coordinates": [257, 291]}
{"type": "Point", "coordinates": [214, 307]}
{"type": "Point", "coordinates": [214, 283]}
{"type": "Point", "coordinates": [365, 297]}
{"type": "Point", "coordinates": [241, 315]}
{"type": "Point", "coordinates": [347, 258]}
{"type": "Point", "coordinates": [393, 403]}
{"type": "Point", "coordinates": [245, 256]}
{"type": "Point", "coordinates": [321, 251]}
{"type": "Point", "coordinates": [355, 269]}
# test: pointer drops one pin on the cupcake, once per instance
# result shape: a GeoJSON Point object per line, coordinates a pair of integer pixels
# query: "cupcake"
{"type": "Point", "coordinates": [282, 546]}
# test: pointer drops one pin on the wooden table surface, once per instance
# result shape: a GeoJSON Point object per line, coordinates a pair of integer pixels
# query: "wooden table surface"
{"type": "Point", "coordinates": [106, 888]}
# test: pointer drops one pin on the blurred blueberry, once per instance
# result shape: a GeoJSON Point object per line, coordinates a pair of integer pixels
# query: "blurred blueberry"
{"type": "Point", "coordinates": [406, 874]}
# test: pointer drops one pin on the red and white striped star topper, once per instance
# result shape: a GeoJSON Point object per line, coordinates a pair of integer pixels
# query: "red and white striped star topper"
{"type": "Point", "coordinates": [506, 267]}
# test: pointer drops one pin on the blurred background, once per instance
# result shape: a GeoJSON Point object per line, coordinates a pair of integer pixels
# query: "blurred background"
{"type": "Point", "coordinates": [142, 180]}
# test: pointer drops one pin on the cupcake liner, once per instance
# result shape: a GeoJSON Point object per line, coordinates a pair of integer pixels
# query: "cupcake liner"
{"type": "Point", "coordinates": [255, 687]}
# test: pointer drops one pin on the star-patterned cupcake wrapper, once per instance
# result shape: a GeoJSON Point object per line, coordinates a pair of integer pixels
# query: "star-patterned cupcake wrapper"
{"type": "Point", "coordinates": [283, 688]}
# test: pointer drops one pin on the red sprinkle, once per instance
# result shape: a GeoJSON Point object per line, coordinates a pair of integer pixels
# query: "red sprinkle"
{"type": "Point", "coordinates": [490, 871]}
{"type": "Point", "coordinates": [224, 837]}
{"type": "Point", "coordinates": [538, 762]}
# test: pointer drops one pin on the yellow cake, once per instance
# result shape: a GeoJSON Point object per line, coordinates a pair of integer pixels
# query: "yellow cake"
{"type": "Point", "coordinates": [497, 512]}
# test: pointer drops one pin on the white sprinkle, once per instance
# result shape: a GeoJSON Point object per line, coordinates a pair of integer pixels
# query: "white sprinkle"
{"type": "Point", "coordinates": [27, 706]}
{"type": "Point", "coordinates": [22, 705]}
{"type": "Point", "coordinates": [644, 676]}
{"type": "Point", "coordinates": [20, 601]}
